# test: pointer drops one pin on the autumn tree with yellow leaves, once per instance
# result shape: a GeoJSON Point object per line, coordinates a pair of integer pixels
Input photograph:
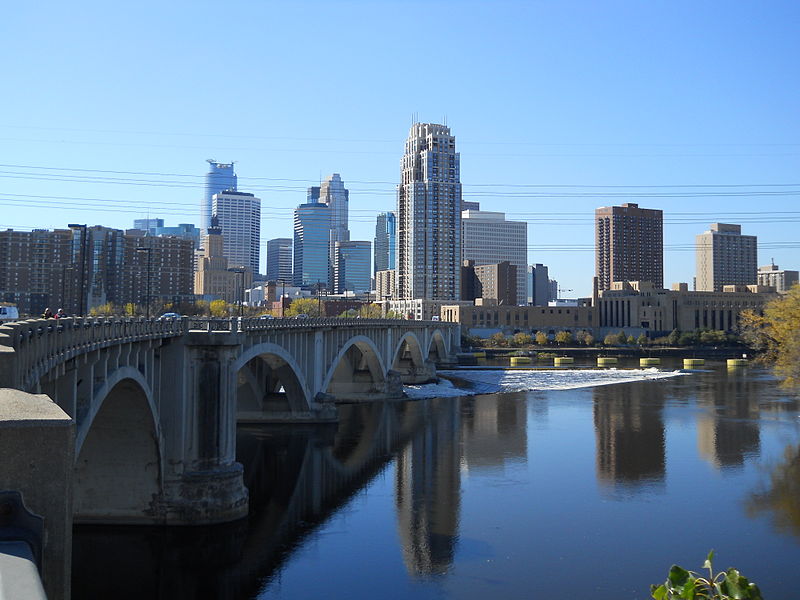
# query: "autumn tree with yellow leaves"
{"type": "Point", "coordinates": [776, 334]}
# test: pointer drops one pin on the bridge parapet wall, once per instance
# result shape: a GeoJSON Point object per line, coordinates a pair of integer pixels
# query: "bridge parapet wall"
{"type": "Point", "coordinates": [28, 349]}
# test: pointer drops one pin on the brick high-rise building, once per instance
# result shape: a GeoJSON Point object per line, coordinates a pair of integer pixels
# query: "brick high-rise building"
{"type": "Point", "coordinates": [82, 267]}
{"type": "Point", "coordinates": [629, 245]}
{"type": "Point", "coordinates": [429, 216]}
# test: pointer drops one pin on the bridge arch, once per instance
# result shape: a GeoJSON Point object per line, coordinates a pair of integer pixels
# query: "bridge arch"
{"type": "Point", "coordinates": [410, 362]}
{"type": "Point", "coordinates": [357, 372]}
{"type": "Point", "coordinates": [261, 372]}
{"type": "Point", "coordinates": [437, 349]}
{"type": "Point", "coordinates": [118, 465]}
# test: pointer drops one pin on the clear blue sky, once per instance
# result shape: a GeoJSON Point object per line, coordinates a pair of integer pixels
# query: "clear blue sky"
{"type": "Point", "coordinates": [538, 94]}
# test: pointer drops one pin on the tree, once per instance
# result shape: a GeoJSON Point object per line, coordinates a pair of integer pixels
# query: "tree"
{"type": "Point", "coordinates": [130, 309]}
{"type": "Point", "coordinates": [371, 311]}
{"type": "Point", "coordinates": [588, 339]}
{"type": "Point", "coordinates": [498, 339]}
{"type": "Point", "coordinates": [541, 338]}
{"type": "Point", "coordinates": [303, 306]}
{"type": "Point", "coordinates": [612, 339]}
{"type": "Point", "coordinates": [712, 337]}
{"type": "Point", "coordinates": [687, 338]}
{"type": "Point", "coordinates": [642, 340]}
{"type": "Point", "coordinates": [219, 308]}
{"type": "Point", "coordinates": [776, 334]}
{"type": "Point", "coordinates": [103, 310]}
{"type": "Point", "coordinates": [564, 337]}
{"type": "Point", "coordinates": [521, 339]}
{"type": "Point", "coordinates": [673, 337]}
{"type": "Point", "coordinates": [631, 340]}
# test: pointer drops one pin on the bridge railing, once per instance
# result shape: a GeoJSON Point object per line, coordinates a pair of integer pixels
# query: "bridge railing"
{"type": "Point", "coordinates": [26, 344]}
{"type": "Point", "coordinates": [256, 324]}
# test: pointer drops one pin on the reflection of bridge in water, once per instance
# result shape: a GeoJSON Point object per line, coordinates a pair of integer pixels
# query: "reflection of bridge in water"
{"type": "Point", "coordinates": [298, 476]}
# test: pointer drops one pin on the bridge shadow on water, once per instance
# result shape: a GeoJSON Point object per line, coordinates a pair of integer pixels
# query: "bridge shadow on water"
{"type": "Point", "coordinates": [297, 476]}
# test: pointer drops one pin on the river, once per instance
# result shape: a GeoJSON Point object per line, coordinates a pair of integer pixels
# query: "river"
{"type": "Point", "coordinates": [571, 484]}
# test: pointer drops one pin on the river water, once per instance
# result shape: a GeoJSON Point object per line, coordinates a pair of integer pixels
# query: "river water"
{"type": "Point", "coordinates": [568, 484]}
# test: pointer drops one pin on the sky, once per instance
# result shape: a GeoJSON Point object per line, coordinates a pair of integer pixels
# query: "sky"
{"type": "Point", "coordinates": [111, 109]}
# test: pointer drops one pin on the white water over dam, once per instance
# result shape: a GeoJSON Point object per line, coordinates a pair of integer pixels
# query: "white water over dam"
{"type": "Point", "coordinates": [473, 382]}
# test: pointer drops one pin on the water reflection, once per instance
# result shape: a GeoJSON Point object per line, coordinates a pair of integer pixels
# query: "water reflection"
{"type": "Point", "coordinates": [629, 434]}
{"type": "Point", "coordinates": [728, 430]}
{"type": "Point", "coordinates": [300, 476]}
{"type": "Point", "coordinates": [427, 490]}
{"type": "Point", "coordinates": [780, 498]}
{"type": "Point", "coordinates": [494, 430]}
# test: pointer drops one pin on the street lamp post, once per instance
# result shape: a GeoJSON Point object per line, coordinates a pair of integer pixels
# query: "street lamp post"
{"type": "Point", "coordinates": [149, 251]}
{"type": "Point", "coordinates": [241, 293]}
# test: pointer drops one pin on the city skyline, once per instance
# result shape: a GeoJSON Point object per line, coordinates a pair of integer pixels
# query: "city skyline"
{"type": "Point", "coordinates": [682, 108]}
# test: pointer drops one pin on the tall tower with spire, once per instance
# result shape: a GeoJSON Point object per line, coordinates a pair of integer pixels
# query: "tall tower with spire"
{"type": "Point", "coordinates": [429, 216]}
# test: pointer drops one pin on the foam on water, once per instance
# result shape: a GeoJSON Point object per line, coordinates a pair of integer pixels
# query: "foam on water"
{"type": "Point", "coordinates": [493, 381]}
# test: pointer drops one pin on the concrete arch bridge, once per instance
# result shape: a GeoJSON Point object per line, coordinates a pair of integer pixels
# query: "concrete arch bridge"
{"type": "Point", "coordinates": [156, 403]}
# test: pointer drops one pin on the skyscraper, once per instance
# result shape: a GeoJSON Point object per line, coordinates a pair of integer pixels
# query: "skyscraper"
{"type": "Point", "coordinates": [385, 242]}
{"type": "Point", "coordinates": [312, 227]}
{"type": "Point", "coordinates": [352, 273]}
{"type": "Point", "coordinates": [220, 178]}
{"type": "Point", "coordinates": [239, 216]}
{"type": "Point", "coordinates": [429, 216]}
{"type": "Point", "coordinates": [538, 284]}
{"type": "Point", "coordinates": [333, 193]}
{"type": "Point", "coordinates": [629, 245]}
{"type": "Point", "coordinates": [725, 257]}
{"type": "Point", "coordinates": [279, 260]}
{"type": "Point", "coordinates": [488, 239]}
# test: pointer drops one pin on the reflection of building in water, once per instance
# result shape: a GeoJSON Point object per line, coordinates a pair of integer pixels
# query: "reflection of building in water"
{"type": "Point", "coordinates": [629, 430]}
{"type": "Point", "coordinates": [428, 491]}
{"type": "Point", "coordinates": [729, 429]}
{"type": "Point", "coordinates": [494, 430]}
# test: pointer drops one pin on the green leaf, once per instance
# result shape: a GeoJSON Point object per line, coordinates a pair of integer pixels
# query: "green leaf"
{"type": "Point", "coordinates": [753, 592]}
{"type": "Point", "coordinates": [709, 559]}
{"type": "Point", "coordinates": [738, 587]}
{"type": "Point", "coordinates": [659, 592]}
{"type": "Point", "coordinates": [688, 592]}
{"type": "Point", "coordinates": [678, 576]}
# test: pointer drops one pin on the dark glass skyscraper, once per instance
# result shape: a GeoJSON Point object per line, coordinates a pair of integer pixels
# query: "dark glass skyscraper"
{"type": "Point", "coordinates": [220, 178]}
{"type": "Point", "coordinates": [385, 241]}
{"type": "Point", "coordinates": [312, 229]}
{"type": "Point", "coordinates": [279, 260]}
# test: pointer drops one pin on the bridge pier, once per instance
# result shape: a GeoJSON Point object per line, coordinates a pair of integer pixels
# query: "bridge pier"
{"type": "Point", "coordinates": [203, 483]}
